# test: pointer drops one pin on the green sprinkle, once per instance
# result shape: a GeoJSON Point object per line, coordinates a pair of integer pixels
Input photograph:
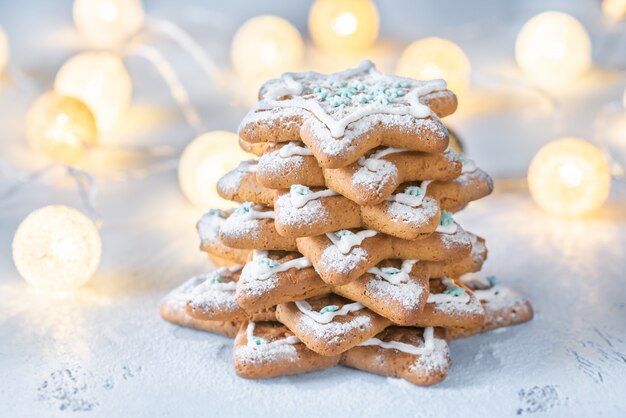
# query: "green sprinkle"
{"type": "Point", "coordinates": [384, 101]}
{"type": "Point", "coordinates": [267, 262]}
{"type": "Point", "coordinates": [413, 191]}
{"type": "Point", "coordinates": [446, 218]}
{"type": "Point", "coordinates": [329, 308]}
{"type": "Point", "coordinates": [454, 291]}
{"type": "Point", "coordinates": [400, 93]}
{"type": "Point", "coordinates": [363, 99]}
{"type": "Point", "coordinates": [258, 340]}
{"type": "Point", "coordinates": [245, 207]}
{"type": "Point", "coordinates": [390, 270]}
{"type": "Point", "coordinates": [491, 280]}
{"type": "Point", "coordinates": [213, 212]}
{"type": "Point", "coordinates": [343, 233]}
{"type": "Point", "coordinates": [300, 189]}
{"type": "Point", "coordinates": [316, 89]}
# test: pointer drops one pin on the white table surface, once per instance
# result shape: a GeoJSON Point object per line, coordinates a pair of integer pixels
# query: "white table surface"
{"type": "Point", "coordinates": [104, 351]}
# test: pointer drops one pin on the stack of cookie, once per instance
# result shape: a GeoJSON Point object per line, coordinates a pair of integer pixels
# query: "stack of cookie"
{"type": "Point", "coordinates": [344, 248]}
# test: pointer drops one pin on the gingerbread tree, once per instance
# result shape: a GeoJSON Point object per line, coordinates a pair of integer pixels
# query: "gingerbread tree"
{"type": "Point", "coordinates": [344, 248]}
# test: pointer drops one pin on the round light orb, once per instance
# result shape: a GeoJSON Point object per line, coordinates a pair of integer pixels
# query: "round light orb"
{"type": "Point", "coordinates": [265, 47]}
{"type": "Point", "coordinates": [431, 58]}
{"type": "Point", "coordinates": [99, 79]}
{"type": "Point", "coordinates": [108, 23]}
{"type": "Point", "coordinates": [553, 49]}
{"type": "Point", "coordinates": [344, 25]}
{"type": "Point", "coordinates": [60, 127]}
{"type": "Point", "coordinates": [614, 9]}
{"type": "Point", "coordinates": [4, 50]}
{"type": "Point", "coordinates": [203, 162]}
{"type": "Point", "coordinates": [57, 248]}
{"type": "Point", "coordinates": [569, 176]}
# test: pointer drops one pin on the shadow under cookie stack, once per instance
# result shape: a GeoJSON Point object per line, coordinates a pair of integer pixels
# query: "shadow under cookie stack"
{"type": "Point", "coordinates": [344, 249]}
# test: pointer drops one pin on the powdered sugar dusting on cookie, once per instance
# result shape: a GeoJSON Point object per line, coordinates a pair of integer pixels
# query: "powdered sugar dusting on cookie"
{"type": "Point", "coordinates": [374, 181]}
{"type": "Point", "coordinates": [436, 360]}
{"type": "Point", "coordinates": [334, 332]}
{"type": "Point", "coordinates": [407, 294]}
{"type": "Point", "coordinates": [209, 225]}
{"type": "Point", "coordinates": [309, 214]}
{"type": "Point", "coordinates": [334, 260]}
{"type": "Point", "coordinates": [416, 217]}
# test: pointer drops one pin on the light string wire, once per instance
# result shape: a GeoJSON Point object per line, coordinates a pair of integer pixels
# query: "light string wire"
{"type": "Point", "coordinates": [85, 184]}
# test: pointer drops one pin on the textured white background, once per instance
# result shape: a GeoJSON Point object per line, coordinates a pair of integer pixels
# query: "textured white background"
{"type": "Point", "coordinates": [105, 352]}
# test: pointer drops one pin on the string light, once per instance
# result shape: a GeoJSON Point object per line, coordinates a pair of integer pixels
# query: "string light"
{"type": "Point", "coordinates": [57, 248]}
{"type": "Point", "coordinates": [108, 23]}
{"type": "Point", "coordinates": [569, 176]}
{"type": "Point", "coordinates": [614, 9]}
{"type": "Point", "coordinates": [203, 162]}
{"type": "Point", "coordinates": [553, 49]}
{"type": "Point", "coordinates": [344, 25]}
{"type": "Point", "coordinates": [265, 47]}
{"type": "Point", "coordinates": [101, 81]}
{"type": "Point", "coordinates": [431, 58]}
{"type": "Point", "coordinates": [61, 127]}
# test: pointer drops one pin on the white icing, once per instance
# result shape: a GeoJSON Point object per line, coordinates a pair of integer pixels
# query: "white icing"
{"type": "Point", "coordinates": [426, 348]}
{"type": "Point", "coordinates": [248, 212]}
{"type": "Point", "coordinates": [349, 239]}
{"type": "Point", "coordinates": [451, 228]}
{"type": "Point", "coordinates": [292, 148]}
{"type": "Point", "coordinates": [259, 270]}
{"type": "Point", "coordinates": [299, 200]}
{"type": "Point", "coordinates": [410, 199]}
{"type": "Point", "coordinates": [294, 84]}
{"type": "Point", "coordinates": [326, 317]}
{"type": "Point", "coordinates": [251, 338]}
{"type": "Point", "coordinates": [373, 162]}
{"type": "Point", "coordinates": [401, 276]}
{"type": "Point", "coordinates": [212, 283]}
{"type": "Point", "coordinates": [209, 225]}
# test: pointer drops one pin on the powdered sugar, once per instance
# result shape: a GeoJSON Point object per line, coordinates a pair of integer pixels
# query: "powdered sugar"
{"type": "Point", "coordinates": [309, 214]}
{"type": "Point", "coordinates": [209, 225]}
{"type": "Point", "coordinates": [334, 332]}
{"type": "Point", "coordinates": [407, 294]}
{"type": "Point", "coordinates": [335, 260]}
{"type": "Point", "coordinates": [416, 217]}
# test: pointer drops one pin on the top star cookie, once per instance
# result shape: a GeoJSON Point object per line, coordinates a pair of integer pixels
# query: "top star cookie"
{"type": "Point", "coordinates": [343, 115]}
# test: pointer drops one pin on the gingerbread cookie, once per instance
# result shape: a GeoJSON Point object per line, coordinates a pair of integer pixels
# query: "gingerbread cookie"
{"type": "Point", "coordinates": [341, 116]}
{"type": "Point", "coordinates": [454, 268]}
{"type": "Point", "coordinates": [450, 304]}
{"type": "Point", "coordinates": [172, 309]}
{"type": "Point", "coordinates": [269, 349]}
{"type": "Point", "coordinates": [504, 306]}
{"type": "Point", "coordinates": [420, 356]}
{"type": "Point", "coordinates": [373, 178]}
{"type": "Point", "coordinates": [391, 290]}
{"type": "Point", "coordinates": [240, 185]}
{"type": "Point", "coordinates": [302, 212]}
{"type": "Point", "coordinates": [208, 230]}
{"type": "Point", "coordinates": [252, 226]}
{"type": "Point", "coordinates": [271, 278]}
{"type": "Point", "coordinates": [342, 256]}
{"type": "Point", "coordinates": [287, 164]}
{"type": "Point", "coordinates": [472, 184]}
{"type": "Point", "coordinates": [330, 325]}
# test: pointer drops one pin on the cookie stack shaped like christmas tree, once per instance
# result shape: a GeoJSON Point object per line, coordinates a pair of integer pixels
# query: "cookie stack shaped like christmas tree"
{"type": "Point", "coordinates": [344, 248]}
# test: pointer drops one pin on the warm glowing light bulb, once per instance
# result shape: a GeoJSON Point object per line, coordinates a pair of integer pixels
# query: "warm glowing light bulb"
{"type": "Point", "coordinates": [431, 58]}
{"type": "Point", "coordinates": [57, 248]}
{"type": "Point", "coordinates": [203, 162]}
{"type": "Point", "coordinates": [61, 127]}
{"type": "Point", "coordinates": [344, 25]}
{"type": "Point", "coordinates": [108, 23]}
{"type": "Point", "coordinates": [265, 47]}
{"type": "Point", "coordinates": [101, 81]}
{"type": "Point", "coordinates": [614, 9]}
{"type": "Point", "coordinates": [569, 176]}
{"type": "Point", "coordinates": [4, 50]}
{"type": "Point", "coordinates": [553, 49]}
